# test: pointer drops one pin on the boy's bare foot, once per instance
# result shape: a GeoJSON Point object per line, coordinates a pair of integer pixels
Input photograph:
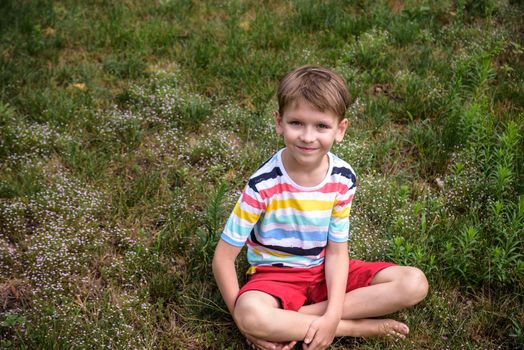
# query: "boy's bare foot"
{"type": "Point", "coordinates": [371, 327]}
{"type": "Point", "coordinates": [392, 328]}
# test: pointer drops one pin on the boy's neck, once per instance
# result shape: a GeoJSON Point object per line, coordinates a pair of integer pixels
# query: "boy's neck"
{"type": "Point", "coordinates": [306, 176]}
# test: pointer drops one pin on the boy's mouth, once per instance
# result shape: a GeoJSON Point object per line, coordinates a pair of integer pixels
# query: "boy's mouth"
{"type": "Point", "coordinates": [307, 149]}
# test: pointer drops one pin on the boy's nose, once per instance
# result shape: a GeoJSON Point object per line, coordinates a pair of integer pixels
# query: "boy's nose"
{"type": "Point", "coordinates": [307, 135]}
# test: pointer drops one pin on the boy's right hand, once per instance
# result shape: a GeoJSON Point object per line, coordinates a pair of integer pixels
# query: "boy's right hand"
{"type": "Point", "coordinates": [320, 333]}
{"type": "Point", "coordinates": [261, 344]}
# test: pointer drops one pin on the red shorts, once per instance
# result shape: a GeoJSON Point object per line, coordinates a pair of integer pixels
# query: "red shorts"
{"type": "Point", "coordinates": [295, 287]}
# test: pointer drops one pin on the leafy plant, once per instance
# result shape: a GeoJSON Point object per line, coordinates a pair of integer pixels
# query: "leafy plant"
{"type": "Point", "coordinates": [213, 225]}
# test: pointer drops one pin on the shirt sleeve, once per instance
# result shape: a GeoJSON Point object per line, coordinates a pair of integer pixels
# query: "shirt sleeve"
{"type": "Point", "coordinates": [245, 215]}
{"type": "Point", "coordinates": [339, 224]}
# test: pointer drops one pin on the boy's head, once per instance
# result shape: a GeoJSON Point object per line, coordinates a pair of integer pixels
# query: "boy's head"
{"type": "Point", "coordinates": [312, 102]}
{"type": "Point", "coordinates": [318, 86]}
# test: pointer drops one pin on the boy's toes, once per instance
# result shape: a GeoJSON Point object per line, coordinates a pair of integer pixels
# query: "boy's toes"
{"type": "Point", "coordinates": [392, 328]}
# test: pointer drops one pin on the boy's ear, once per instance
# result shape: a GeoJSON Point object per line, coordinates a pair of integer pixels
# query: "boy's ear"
{"type": "Point", "coordinates": [341, 130]}
{"type": "Point", "coordinates": [278, 123]}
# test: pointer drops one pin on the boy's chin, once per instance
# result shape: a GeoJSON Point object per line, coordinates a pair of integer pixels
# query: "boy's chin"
{"type": "Point", "coordinates": [308, 159]}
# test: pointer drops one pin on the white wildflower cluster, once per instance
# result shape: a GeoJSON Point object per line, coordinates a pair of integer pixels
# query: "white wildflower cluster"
{"type": "Point", "coordinates": [231, 116]}
{"type": "Point", "coordinates": [167, 142]}
{"type": "Point", "coordinates": [231, 199]}
{"type": "Point", "coordinates": [355, 152]}
{"type": "Point", "coordinates": [213, 148]}
{"type": "Point", "coordinates": [403, 77]}
{"type": "Point", "coordinates": [264, 133]}
{"type": "Point", "coordinates": [474, 42]}
{"type": "Point", "coordinates": [22, 159]}
{"type": "Point", "coordinates": [171, 147]}
{"type": "Point", "coordinates": [367, 242]}
{"type": "Point", "coordinates": [463, 186]}
{"type": "Point", "coordinates": [375, 38]}
{"type": "Point", "coordinates": [166, 102]}
{"type": "Point", "coordinates": [115, 324]}
{"type": "Point", "coordinates": [427, 36]}
{"type": "Point", "coordinates": [306, 55]}
{"type": "Point", "coordinates": [117, 123]}
{"type": "Point", "coordinates": [9, 256]}
{"type": "Point", "coordinates": [255, 127]}
{"type": "Point", "coordinates": [371, 43]}
{"type": "Point", "coordinates": [24, 163]}
{"type": "Point", "coordinates": [120, 238]}
{"type": "Point", "coordinates": [162, 104]}
{"type": "Point", "coordinates": [437, 90]}
{"type": "Point", "coordinates": [130, 271]}
{"type": "Point", "coordinates": [253, 139]}
{"type": "Point", "coordinates": [382, 211]}
{"type": "Point", "coordinates": [180, 203]}
{"type": "Point", "coordinates": [13, 223]}
{"type": "Point", "coordinates": [166, 2]}
{"type": "Point", "coordinates": [215, 151]}
{"type": "Point", "coordinates": [351, 74]}
{"type": "Point", "coordinates": [368, 237]}
{"type": "Point", "coordinates": [57, 233]}
{"type": "Point", "coordinates": [423, 93]}
{"type": "Point", "coordinates": [356, 109]}
{"type": "Point", "coordinates": [27, 141]}
{"type": "Point", "coordinates": [53, 233]}
{"type": "Point", "coordinates": [72, 199]}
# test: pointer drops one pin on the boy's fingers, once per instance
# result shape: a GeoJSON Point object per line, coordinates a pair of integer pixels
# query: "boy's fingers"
{"type": "Point", "coordinates": [289, 345]}
{"type": "Point", "coordinates": [309, 346]}
{"type": "Point", "coordinates": [261, 344]}
{"type": "Point", "coordinates": [310, 334]}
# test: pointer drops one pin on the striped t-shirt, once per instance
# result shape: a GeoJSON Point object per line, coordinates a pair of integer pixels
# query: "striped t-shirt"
{"type": "Point", "coordinates": [285, 224]}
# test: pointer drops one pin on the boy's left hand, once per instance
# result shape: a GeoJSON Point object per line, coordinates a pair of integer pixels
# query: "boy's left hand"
{"type": "Point", "coordinates": [261, 344]}
{"type": "Point", "coordinates": [321, 333]}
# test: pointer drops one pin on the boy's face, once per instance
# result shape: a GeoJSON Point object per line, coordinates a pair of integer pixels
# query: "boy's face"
{"type": "Point", "coordinates": [309, 133]}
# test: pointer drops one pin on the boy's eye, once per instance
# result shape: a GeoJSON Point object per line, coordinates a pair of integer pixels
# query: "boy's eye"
{"type": "Point", "coordinates": [323, 126]}
{"type": "Point", "coordinates": [295, 122]}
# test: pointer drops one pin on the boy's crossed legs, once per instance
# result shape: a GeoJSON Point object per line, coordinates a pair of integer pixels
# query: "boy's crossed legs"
{"type": "Point", "coordinates": [259, 315]}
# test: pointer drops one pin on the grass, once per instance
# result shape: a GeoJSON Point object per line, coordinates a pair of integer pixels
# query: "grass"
{"type": "Point", "coordinates": [128, 129]}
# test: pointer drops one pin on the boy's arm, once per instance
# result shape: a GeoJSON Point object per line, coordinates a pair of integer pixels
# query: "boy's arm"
{"type": "Point", "coordinates": [227, 281]}
{"type": "Point", "coordinates": [246, 213]}
{"type": "Point", "coordinates": [322, 331]}
{"type": "Point", "coordinates": [225, 273]}
{"type": "Point", "coordinates": [337, 266]}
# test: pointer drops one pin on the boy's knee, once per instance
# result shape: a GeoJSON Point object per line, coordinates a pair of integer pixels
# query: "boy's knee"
{"type": "Point", "coordinates": [415, 285]}
{"type": "Point", "coordinates": [251, 317]}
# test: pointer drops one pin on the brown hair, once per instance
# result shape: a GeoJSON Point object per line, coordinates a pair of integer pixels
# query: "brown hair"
{"type": "Point", "coordinates": [320, 87]}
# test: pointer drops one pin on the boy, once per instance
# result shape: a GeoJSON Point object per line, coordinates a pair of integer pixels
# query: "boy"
{"type": "Point", "coordinates": [294, 217]}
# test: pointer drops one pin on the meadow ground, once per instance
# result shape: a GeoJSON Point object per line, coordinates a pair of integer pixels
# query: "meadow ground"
{"type": "Point", "coordinates": [128, 129]}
